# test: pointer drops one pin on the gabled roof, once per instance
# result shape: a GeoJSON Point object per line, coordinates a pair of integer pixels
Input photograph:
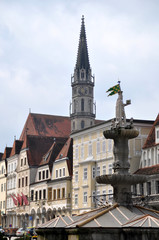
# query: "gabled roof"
{"type": "Point", "coordinates": [16, 147]}
{"type": "Point", "coordinates": [67, 152]}
{"type": "Point", "coordinates": [37, 147]}
{"type": "Point", "coordinates": [46, 125]}
{"type": "Point", "coordinates": [1, 154]}
{"type": "Point", "coordinates": [113, 217]}
{"type": "Point", "coordinates": [6, 153]}
{"type": "Point", "coordinates": [150, 141]}
{"type": "Point", "coordinates": [148, 170]}
{"type": "Point", "coordinates": [50, 156]}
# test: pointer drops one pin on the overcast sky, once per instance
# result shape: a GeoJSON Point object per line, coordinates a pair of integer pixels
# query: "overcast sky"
{"type": "Point", "coordinates": [38, 49]}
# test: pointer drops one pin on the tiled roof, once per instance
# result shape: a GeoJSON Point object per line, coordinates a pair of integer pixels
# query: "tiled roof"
{"type": "Point", "coordinates": [1, 154]}
{"type": "Point", "coordinates": [50, 156]}
{"type": "Point", "coordinates": [37, 147]}
{"type": "Point", "coordinates": [150, 141]}
{"type": "Point", "coordinates": [16, 147]}
{"type": "Point", "coordinates": [46, 125]}
{"type": "Point", "coordinates": [67, 152]}
{"type": "Point", "coordinates": [6, 153]}
{"type": "Point", "coordinates": [115, 216]}
{"type": "Point", "coordinates": [148, 170]}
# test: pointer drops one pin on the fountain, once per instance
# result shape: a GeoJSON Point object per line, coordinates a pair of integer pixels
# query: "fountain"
{"type": "Point", "coordinates": [121, 132]}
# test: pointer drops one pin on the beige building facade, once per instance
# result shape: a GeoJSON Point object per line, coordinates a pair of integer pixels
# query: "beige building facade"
{"type": "Point", "coordinates": [93, 156]}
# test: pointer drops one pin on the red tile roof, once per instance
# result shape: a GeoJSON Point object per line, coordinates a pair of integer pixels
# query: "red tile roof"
{"type": "Point", "coordinates": [1, 154]}
{"type": "Point", "coordinates": [150, 141]}
{"type": "Point", "coordinates": [37, 147]}
{"type": "Point", "coordinates": [6, 153]}
{"type": "Point", "coordinates": [148, 170]}
{"type": "Point", "coordinates": [67, 152]}
{"type": "Point", "coordinates": [52, 153]}
{"type": "Point", "coordinates": [16, 147]}
{"type": "Point", "coordinates": [46, 125]}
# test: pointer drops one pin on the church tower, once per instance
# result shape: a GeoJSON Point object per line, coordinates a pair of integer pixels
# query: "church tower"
{"type": "Point", "coordinates": [82, 108]}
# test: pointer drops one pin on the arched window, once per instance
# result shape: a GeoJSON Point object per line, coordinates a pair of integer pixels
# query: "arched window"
{"type": "Point", "coordinates": [82, 104]}
{"type": "Point", "coordinates": [82, 124]}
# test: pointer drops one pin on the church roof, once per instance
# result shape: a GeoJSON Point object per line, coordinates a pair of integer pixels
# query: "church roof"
{"type": "Point", "coordinates": [150, 141]}
{"type": "Point", "coordinates": [46, 125]}
{"type": "Point", "coordinates": [115, 216]}
{"type": "Point", "coordinates": [82, 55]}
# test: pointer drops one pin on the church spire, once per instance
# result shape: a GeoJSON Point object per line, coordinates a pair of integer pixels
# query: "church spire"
{"type": "Point", "coordinates": [82, 108]}
{"type": "Point", "coordinates": [82, 56]}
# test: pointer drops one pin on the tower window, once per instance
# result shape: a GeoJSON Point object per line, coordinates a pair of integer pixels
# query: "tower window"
{"type": "Point", "coordinates": [82, 104]}
{"type": "Point", "coordinates": [82, 124]}
{"type": "Point", "coordinates": [82, 74]}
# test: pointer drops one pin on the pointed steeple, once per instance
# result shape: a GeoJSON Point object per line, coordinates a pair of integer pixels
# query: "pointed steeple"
{"type": "Point", "coordinates": [82, 108]}
{"type": "Point", "coordinates": [82, 56]}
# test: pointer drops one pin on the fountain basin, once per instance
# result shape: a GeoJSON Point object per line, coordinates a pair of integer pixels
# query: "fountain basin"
{"type": "Point", "coordinates": [114, 179]}
{"type": "Point", "coordinates": [121, 132]}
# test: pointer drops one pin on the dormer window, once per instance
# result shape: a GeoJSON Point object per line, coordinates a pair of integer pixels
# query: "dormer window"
{"type": "Point", "coordinates": [157, 134]}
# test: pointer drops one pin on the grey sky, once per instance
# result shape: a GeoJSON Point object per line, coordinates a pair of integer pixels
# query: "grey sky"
{"type": "Point", "coordinates": [38, 49]}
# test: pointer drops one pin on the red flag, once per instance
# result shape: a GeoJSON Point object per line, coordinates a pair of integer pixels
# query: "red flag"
{"type": "Point", "coordinates": [14, 200]}
{"type": "Point", "coordinates": [19, 198]}
{"type": "Point", "coordinates": [25, 199]}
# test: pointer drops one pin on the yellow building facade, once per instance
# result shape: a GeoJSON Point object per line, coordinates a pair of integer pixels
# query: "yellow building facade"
{"type": "Point", "coordinates": [93, 156]}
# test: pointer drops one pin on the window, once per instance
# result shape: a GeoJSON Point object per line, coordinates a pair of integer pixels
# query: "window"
{"type": "Point", "coordinates": [63, 172]}
{"type": "Point", "coordinates": [90, 149]}
{"type": "Point", "coordinates": [44, 193]}
{"type": "Point", "coordinates": [85, 197]}
{"type": "Point", "coordinates": [93, 172]}
{"type": "Point", "coordinates": [110, 168]}
{"type": "Point", "coordinates": [76, 199]}
{"type": "Point", "coordinates": [104, 146]}
{"type": "Point", "coordinates": [104, 169]}
{"type": "Point", "coordinates": [82, 104]}
{"type": "Point", "coordinates": [56, 173]}
{"type": "Point", "coordinates": [85, 173]}
{"type": "Point", "coordinates": [47, 173]}
{"type": "Point", "coordinates": [149, 162]}
{"type": "Point", "coordinates": [60, 172]}
{"type": "Point", "coordinates": [32, 195]}
{"type": "Point", "coordinates": [63, 192]}
{"type": "Point", "coordinates": [26, 181]}
{"type": "Point", "coordinates": [25, 161]}
{"type": "Point", "coordinates": [98, 197]}
{"type": "Point", "coordinates": [39, 175]}
{"type": "Point", "coordinates": [54, 196]}
{"type": "Point", "coordinates": [82, 124]}
{"type": "Point", "coordinates": [98, 171]}
{"type": "Point", "coordinates": [19, 183]}
{"type": "Point", "coordinates": [43, 174]}
{"type": "Point", "coordinates": [2, 187]}
{"type": "Point", "coordinates": [157, 133]}
{"type": "Point", "coordinates": [49, 193]}
{"type": "Point", "coordinates": [110, 194]}
{"type": "Point", "coordinates": [4, 204]}
{"type": "Point", "coordinates": [21, 162]}
{"type": "Point", "coordinates": [76, 153]}
{"type": "Point", "coordinates": [135, 190]}
{"type": "Point", "coordinates": [36, 195]}
{"type": "Point", "coordinates": [148, 188]}
{"type": "Point", "coordinates": [22, 182]}
{"type": "Point", "coordinates": [141, 189]}
{"type": "Point", "coordinates": [76, 176]}
{"type": "Point", "coordinates": [58, 193]}
{"type": "Point", "coordinates": [98, 147]}
{"type": "Point", "coordinates": [109, 145]}
{"type": "Point", "coordinates": [2, 170]}
{"type": "Point", "coordinates": [40, 195]}
{"type": "Point", "coordinates": [104, 196]}
{"type": "Point", "coordinates": [93, 197]}
{"type": "Point", "coordinates": [82, 151]}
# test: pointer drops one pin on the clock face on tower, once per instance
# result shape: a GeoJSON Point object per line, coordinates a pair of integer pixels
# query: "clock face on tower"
{"type": "Point", "coordinates": [82, 90]}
